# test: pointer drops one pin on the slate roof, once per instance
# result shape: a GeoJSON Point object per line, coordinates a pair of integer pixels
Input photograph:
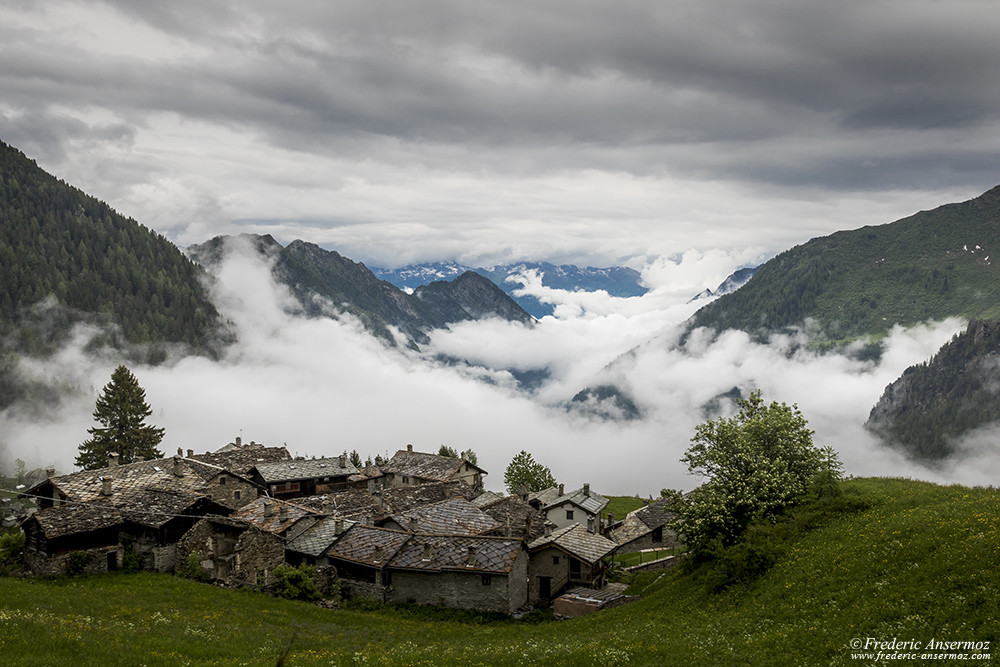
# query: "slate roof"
{"type": "Point", "coordinates": [437, 553]}
{"type": "Point", "coordinates": [77, 518]}
{"type": "Point", "coordinates": [253, 513]}
{"type": "Point", "coordinates": [455, 516]}
{"type": "Point", "coordinates": [641, 522]}
{"type": "Point", "coordinates": [514, 512]}
{"type": "Point", "coordinates": [578, 541]}
{"type": "Point", "coordinates": [425, 466]}
{"type": "Point", "coordinates": [156, 507]}
{"type": "Point", "coordinates": [486, 498]}
{"type": "Point", "coordinates": [242, 460]}
{"type": "Point", "coordinates": [403, 498]}
{"type": "Point", "coordinates": [353, 503]}
{"type": "Point", "coordinates": [87, 485]}
{"type": "Point", "coordinates": [298, 469]}
{"type": "Point", "coordinates": [549, 498]}
{"type": "Point", "coordinates": [318, 537]}
{"type": "Point", "coordinates": [368, 545]}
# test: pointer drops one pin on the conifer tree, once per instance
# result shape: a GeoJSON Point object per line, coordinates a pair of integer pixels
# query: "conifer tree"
{"type": "Point", "coordinates": [121, 412]}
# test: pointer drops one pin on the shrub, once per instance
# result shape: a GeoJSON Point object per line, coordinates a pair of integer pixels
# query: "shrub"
{"type": "Point", "coordinates": [131, 563]}
{"type": "Point", "coordinates": [194, 570]}
{"type": "Point", "coordinates": [11, 552]}
{"type": "Point", "coordinates": [295, 583]}
{"type": "Point", "coordinates": [76, 563]}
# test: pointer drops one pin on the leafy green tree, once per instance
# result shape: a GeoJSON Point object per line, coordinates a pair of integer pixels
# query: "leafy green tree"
{"type": "Point", "coordinates": [121, 410]}
{"type": "Point", "coordinates": [524, 472]}
{"type": "Point", "coordinates": [471, 456]}
{"type": "Point", "coordinates": [450, 452]}
{"type": "Point", "coordinates": [755, 464]}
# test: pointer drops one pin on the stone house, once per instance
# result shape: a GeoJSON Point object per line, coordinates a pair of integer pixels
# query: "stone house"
{"type": "Point", "coordinates": [176, 474]}
{"type": "Point", "coordinates": [461, 571]}
{"type": "Point", "coordinates": [240, 458]}
{"type": "Point", "coordinates": [309, 547]}
{"type": "Point", "coordinates": [410, 468]}
{"type": "Point", "coordinates": [645, 528]}
{"type": "Point", "coordinates": [361, 556]}
{"type": "Point", "coordinates": [53, 533]}
{"type": "Point", "coordinates": [516, 517]}
{"type": "Point", "coordinates": [231, 551]}
{"type": "Point", "coordinates": [567, 556]}
{"type": "Point", "coordinates": [285, 519]}
{"type": "Point", "coordinates": [563, 509]}
{"type": "Point", "coordinates": [455, 516]}
{"type": "Point", "coordinates": [304, 477]}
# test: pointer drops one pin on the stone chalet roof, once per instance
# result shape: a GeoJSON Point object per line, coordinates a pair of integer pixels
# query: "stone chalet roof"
{"type": "Point", "coordinates": [242, 460]}
{"type": "Point", "coordinates": [425, 466]}
{"type": "Point", "coordinates": [641, 522]}
{"type": "Point", "coordinates": [368, 545]}
{"type": "Point", "coordinates": [514, 512]}
{"type": "Point", "coordinates": [298, 469]}
{"type": "Point", "coordinates": [577, 541]}
{"type": "Point", "coordinates": [550, 497]}
{"type": "Point", "coordinates": [87, 485]}
{"type": "Point", "coordinates": [486, 498]}
{"type": "Point", "coordinates": [402, 498]}
{"type": "Point", "coordinates": [463, 553]}
{"type": "Point", "coordinates": [318, 537]}
{"type": "Point", "coordinates": [253, 513]}
{"type": "Point", "coordinates": [455, 516]}
{"type": "Point", "coordinates": [156, 507]}
{"type": "Point", "coordinates": [353, 503]}
{"type": "Point", "coordinates": [76, 518]}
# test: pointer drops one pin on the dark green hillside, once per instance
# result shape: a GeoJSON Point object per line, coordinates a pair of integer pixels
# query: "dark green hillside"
{"type": "Point", "coordinates": [919, 565]}
{"type": "Point", "coordinates": [855, 284]}
{"type": "Point", "coordinates": [57, 241]}
{"type": "Point", "coordinates": [933, 403]}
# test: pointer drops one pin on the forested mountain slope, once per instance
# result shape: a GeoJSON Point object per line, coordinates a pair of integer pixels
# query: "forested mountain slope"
{"type": "Point", "coordinates": [56, 241]}
{"type": "Point", "coordinates": [934, 403]}
{"type": "Point", "coordinates": [855, 284]}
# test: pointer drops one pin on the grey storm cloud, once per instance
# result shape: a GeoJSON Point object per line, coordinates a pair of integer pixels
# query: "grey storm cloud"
{"type": "Point", "coordinates": [406, 113]}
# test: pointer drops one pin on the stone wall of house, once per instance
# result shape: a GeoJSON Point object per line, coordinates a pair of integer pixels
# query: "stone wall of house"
{"type": "Point", "coordinates": [669, 541]}
{"type": "Point", "coordinates": [234, 493]}
{"type": "Point", "coordinates": [55, 565]}
{"type": "Point", "coordinates": [234, 556]}
{"type": "Point", "coordinates": [463, 590]}
{"type": "Point", "coordinates": [658, 564]}
{"type": "Point", "coordinates": [352, 588]}
{"type": "Point", "coordinates": [542, 565]}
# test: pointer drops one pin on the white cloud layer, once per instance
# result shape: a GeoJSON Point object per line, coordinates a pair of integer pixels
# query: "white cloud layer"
{"type": "Point", "coordinates": [323, 386]}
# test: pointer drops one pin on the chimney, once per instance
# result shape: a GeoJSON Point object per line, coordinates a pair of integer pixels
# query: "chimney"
{"type": "Point", "coordinates": [426, 555]}
{"type": "Point", "coordinates": [180, 452]}
{"type": "Point", "coordinates": [239, 441]}
{"type": "Point", "coordinates": [190, 453]}
{"type": "Point", "coordinates": [412, 524]}
{"type": "Point", "coordinates": [282, 512]}
{"type": "Point", "coordinates": [590, 524]}
{"type": "Point", "coordinates": [548, 528]}
{"type": "Point", "coordinates": [338, 525]}
{"type": "Point", "coordinates": [106, 485]}
{"type": "Point", "coordinates": [50, 472]}
{"type": "Point", "coordinates": [178, 466]}
{"type": "Point", "coordinates": [522, 492]}
{"type": "Point", "coordinates": [368, 468]}
{"type": "Point", "coordinates": [471, 558]}
{"type": "Point", "coordinates": [343, 460]}
{"type": "Point", "coordinates": [409, 448]}
{"type": "Point", "coordinates": [462, 456]}
{"type": "Point", "coordinates": [112, 459]}
{"type": "Point", "coordinates": [527, 527]}
{"type": "Point", "coordinates": [611, 519]}
{"type": "Point", "coordinates": [561, 489]}
{"type": "Point", "coordinates": [378, 553]}
{"type": "Point", "coordinates": [586, 489]}
{"type": "Point", "coordinates": [268, 509]}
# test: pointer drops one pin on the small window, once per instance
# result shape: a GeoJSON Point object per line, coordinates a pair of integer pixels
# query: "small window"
{"type": "Point", "coordinates": [555, 560]}
{"type": "Point", "coordinates": [487, 580]}
{"type": "Point", "coordinates": [569, 515]}
{"type": "Point", "coordinates": [574, 567]}
{"type": "Point", "coordinates": [222, 480]}
{"type": "Point", "coordinates": [406, 480]}
{"type": "Point", "coordinates": [236, 495]}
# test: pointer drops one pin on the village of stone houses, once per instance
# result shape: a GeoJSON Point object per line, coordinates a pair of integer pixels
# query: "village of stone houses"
{"type": "Point", "coordinates": [417, 528]}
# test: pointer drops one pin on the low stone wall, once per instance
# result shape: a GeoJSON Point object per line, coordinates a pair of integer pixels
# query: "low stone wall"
{"type": "Point", "coordinates": [54, 566]}
{"type": "Point", "coordinates": [658, 564]}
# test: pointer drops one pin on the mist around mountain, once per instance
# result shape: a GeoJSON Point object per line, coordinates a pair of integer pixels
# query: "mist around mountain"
{"type": "Point", "coordinates": [933, 404]}
{"type": "Point", "coordinates": [325, 283]}
{"type": "Point", "coordinates": [617, 281]}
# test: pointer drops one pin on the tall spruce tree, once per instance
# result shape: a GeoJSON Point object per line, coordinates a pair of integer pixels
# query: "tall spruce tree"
{"type": "Point", "coordinates": [121, 412]}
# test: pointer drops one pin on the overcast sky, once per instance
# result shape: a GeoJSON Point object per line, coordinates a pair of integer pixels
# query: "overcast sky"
{"type": "Point", "coordinates": [589, 132]}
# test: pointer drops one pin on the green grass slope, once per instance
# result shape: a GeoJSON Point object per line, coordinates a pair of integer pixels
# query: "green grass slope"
{"type": "Point", "coordinates": [860, 283]}
{"type": "Point", "coordinates": [920, 564]}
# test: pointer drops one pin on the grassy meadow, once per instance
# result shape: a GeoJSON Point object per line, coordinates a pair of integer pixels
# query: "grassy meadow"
{"type": "Point", "coordinates": [919, 564]}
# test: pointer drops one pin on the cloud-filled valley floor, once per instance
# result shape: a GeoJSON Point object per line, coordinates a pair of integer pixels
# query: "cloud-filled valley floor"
{"type": "Point", "coordinates": [323, 386]}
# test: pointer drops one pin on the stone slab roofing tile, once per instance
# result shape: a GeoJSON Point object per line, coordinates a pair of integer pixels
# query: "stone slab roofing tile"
{"type": "Point", "coordinates": [448, 517]}
{"type": "Point", "coordinates": [299, 469]}
{"type": "Point", "coordinates": [462, 553]}
{"type": "Point", "coordinates": [368, 545]}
